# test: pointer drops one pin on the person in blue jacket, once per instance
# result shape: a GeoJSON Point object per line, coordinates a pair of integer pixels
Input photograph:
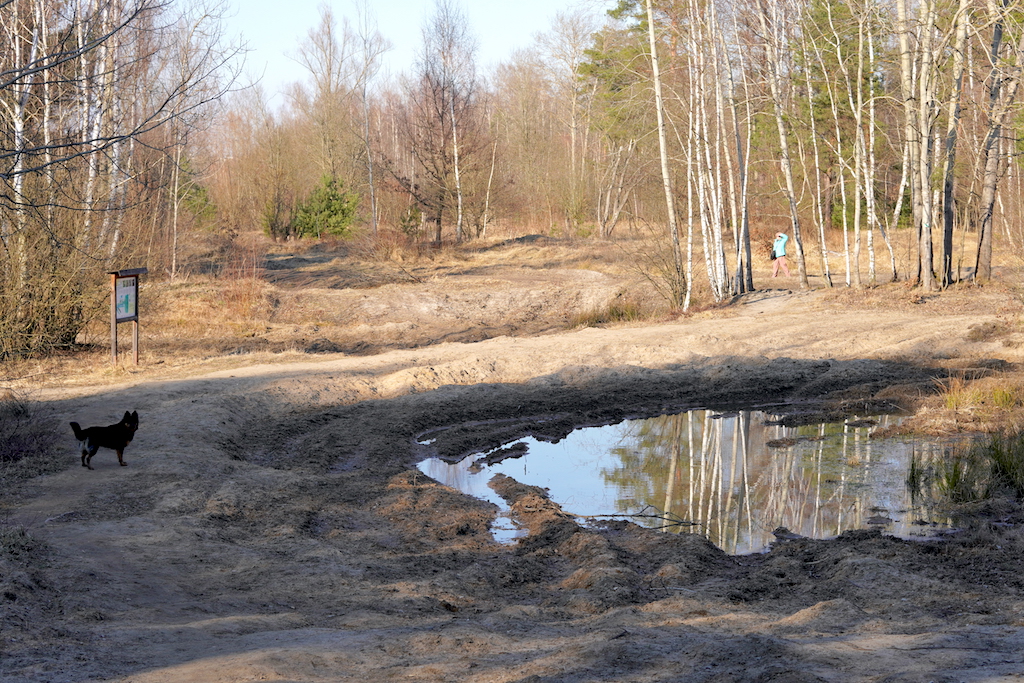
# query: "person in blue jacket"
{"type": "Point", "coordinates": [779, 254]}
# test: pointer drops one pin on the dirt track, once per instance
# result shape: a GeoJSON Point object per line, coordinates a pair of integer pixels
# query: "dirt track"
{"type": "Point", "coordinates": [270, 524]}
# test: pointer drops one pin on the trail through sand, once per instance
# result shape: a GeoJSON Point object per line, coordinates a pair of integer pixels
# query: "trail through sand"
{"type": "Point", "coordinates": [270, 524]}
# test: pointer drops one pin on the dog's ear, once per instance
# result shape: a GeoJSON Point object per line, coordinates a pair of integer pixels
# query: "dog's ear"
{"type": "Point", "coordinates": [135, 415]}
{"type": "Point", "coordinates": [127, 416]}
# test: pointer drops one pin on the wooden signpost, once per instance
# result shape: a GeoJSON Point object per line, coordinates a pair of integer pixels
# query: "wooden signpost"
{"type": "Point", "coordinates": [124, 307]}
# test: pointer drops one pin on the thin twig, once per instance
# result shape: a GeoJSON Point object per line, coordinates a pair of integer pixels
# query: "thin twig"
{"type": "Point", "coordinates": [670, 517]}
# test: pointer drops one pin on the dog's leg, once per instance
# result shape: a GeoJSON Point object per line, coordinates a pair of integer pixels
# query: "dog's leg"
{"type": "Point", "coordinates": [85, 452]}
{"type": "Point", "coordinates": [120, 459]}
{"type": "Point", "coordinates": [88, 459]}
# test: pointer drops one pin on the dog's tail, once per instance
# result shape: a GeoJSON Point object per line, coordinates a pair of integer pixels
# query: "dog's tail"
{"type": "Point", "coordinates": [78, 431]}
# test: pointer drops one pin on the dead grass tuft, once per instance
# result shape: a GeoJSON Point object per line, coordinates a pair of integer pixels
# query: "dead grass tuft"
{"type": "Point", "coordinates": [624, 309]}
{"type": "Point", "coordinates": [959, 394]}
{"type": "Point", "coordinates": [987, 331]}
{"type": "Point", "coordinates": [28, 439]}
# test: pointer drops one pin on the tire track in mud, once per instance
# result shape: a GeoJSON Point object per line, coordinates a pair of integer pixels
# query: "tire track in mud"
{"type": "Point", "coordinates": [270, 525]}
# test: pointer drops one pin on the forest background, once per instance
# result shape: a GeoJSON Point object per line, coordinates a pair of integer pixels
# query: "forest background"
{"type": "Point", "coordinates": [882, 136]}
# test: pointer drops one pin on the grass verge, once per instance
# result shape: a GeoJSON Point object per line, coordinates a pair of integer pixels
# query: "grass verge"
{"type": "Point", "coordinates": [27, 441]}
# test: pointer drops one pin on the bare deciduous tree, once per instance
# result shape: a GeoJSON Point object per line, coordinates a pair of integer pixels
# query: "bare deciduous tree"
{"type": "Point", "coordinates": [1003, 83]}
{"type": "Point", "coordinates": [439, 124]}
{"type": "Point", "coordinates": [87, 93]}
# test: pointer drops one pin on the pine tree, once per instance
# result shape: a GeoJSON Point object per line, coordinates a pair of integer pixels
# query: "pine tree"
{"type": "Point", "coordinates": [328, 210]}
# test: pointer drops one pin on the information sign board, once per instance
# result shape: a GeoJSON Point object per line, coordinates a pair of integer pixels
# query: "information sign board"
{"type": "Point", "coordinates": [126, 298]}
{"type": "Point", "coordinates": [124, 307]}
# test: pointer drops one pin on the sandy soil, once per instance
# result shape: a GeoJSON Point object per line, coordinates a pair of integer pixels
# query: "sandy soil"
{"type": "Point", "coordinates": [271, 525]}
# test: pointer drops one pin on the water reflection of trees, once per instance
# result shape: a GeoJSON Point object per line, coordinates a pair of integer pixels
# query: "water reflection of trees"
{"type": "Point", "coordinates": [719, 471]}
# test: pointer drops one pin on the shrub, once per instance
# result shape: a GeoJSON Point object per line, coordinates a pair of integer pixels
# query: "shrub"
{"type": "Point", "coordinates": [410, 221]}
{"type": "Point", "coordinates": [277, 219]}
{"type": "Point", "coordinates": [328, 210]}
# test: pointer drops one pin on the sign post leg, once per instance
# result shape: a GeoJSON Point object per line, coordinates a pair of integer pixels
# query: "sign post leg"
{"type": "Point", "coordinates": [113, 320]}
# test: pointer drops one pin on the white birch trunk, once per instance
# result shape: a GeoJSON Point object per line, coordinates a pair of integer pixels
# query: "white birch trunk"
{"type": "Point", "coordinates": [819, 215]}
{"type": "Point", "coordinates": [458, 176]}
{"type": "Point", "coordinates": [771, 36]}
{"type": "Point", "coordinates": [666, 178]}
{"type": "Point", "coordinates": [925, 105]}
{"type": "Point", "coordinates": [911, 134]}
{"type": "Point", "coordinates": [874, 218]}
{"type": "Point", "coordinates": [487, 196]}
{"type": "Point", "coordinates": [952, 126]}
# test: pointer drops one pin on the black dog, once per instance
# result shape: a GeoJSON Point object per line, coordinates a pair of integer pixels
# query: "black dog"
{"type": "Point", "coordinates": [115, 437]}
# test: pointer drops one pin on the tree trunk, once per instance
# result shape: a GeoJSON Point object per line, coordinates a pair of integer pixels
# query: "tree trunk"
{"type": "Point", "coordinates": [925, 104]}
{"type": "Point", "coordinates": [487, 196]}
{"type": "Point", "coordinates": [818, 202]}
{"type": "Point", "coordinates": [666, 178]}
{"type": "Point", "coordinates": [774, 78]}
{"type": "Point", "coordinates": [458, 176]}
{"type": "Point", "coordinates": [953, 116]}
{"type": "Point", "coordinates": [1003, 87]}
{"type": "Point", "coordinates": [910, 132]}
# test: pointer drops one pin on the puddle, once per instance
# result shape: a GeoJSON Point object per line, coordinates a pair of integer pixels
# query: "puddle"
{"type": "Point", "coordinates": [734, 477]}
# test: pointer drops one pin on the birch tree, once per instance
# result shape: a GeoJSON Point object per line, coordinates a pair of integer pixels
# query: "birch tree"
{"type": "Point", "coordinates": [743, 280]}
{"type": "Point", "coordinates": [450, 60]}
{"type": "Point", "coordinates": [705, 141]}
{"type": "Point", "coordinates": [329, 55]}
{"type": "Point", "coordinates": [372, 48]}
{"type": "Point", "coordinates": [438, 118]}
{"type": "Point", "coordinates": [84, 99]}
{"type": "Point", "coordinates": [623, 156]}
{"type": "Point", "coordinates": [950, 143]}
{"type": "Point", "coordinates": [563, 54]}
{"type": "Point", "coordinates": [812, 56]}
{"type": "Point", "coordinates": [678, 281]}
{"type": "Point", "coordinates": [921, 45]}
{"type": "Point", "coordinates": [924, 121]}
{"type": "Point", "coordinates": [1002, 85]}
{"type": "Point", "coordinates": [772, 19]}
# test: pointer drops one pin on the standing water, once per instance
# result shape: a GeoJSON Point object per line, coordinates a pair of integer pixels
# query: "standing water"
{"type": "Point", "coordinates": [735, 477]}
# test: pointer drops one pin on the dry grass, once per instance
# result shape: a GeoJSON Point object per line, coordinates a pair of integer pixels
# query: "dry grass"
{"type": "Point", "coordinates": [970, 400]}
{"type": "Point", "coordinates": [986, 392]}
{"type": "Point", "coordinates": [27, 437]}
{"type": "Point", "coordinates": [234, 309]}
{"type": "Point", "coordinates": [959, 394]}
{"type": "Point", "coordinates": [227, 311]}
{"type": "Point", "coordinates": [619, 311]}
{"type": "Point", "coordinates": [905, 296]}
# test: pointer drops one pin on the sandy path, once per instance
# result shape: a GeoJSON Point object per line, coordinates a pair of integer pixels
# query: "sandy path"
{"type": "Point", "coordinates": [264, 529]}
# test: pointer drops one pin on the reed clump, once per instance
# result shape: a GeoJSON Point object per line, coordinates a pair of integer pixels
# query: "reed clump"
{"type": "Point", "coordinates": [991, 467]}
{"type": "Point", "coordinates": [1005, 455]}
{"type": "Point", "coordinates": [959, 394]}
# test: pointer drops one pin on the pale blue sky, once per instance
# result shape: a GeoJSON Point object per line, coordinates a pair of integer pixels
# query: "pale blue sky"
{"type": "Point", "coordinates": [274, 28]}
